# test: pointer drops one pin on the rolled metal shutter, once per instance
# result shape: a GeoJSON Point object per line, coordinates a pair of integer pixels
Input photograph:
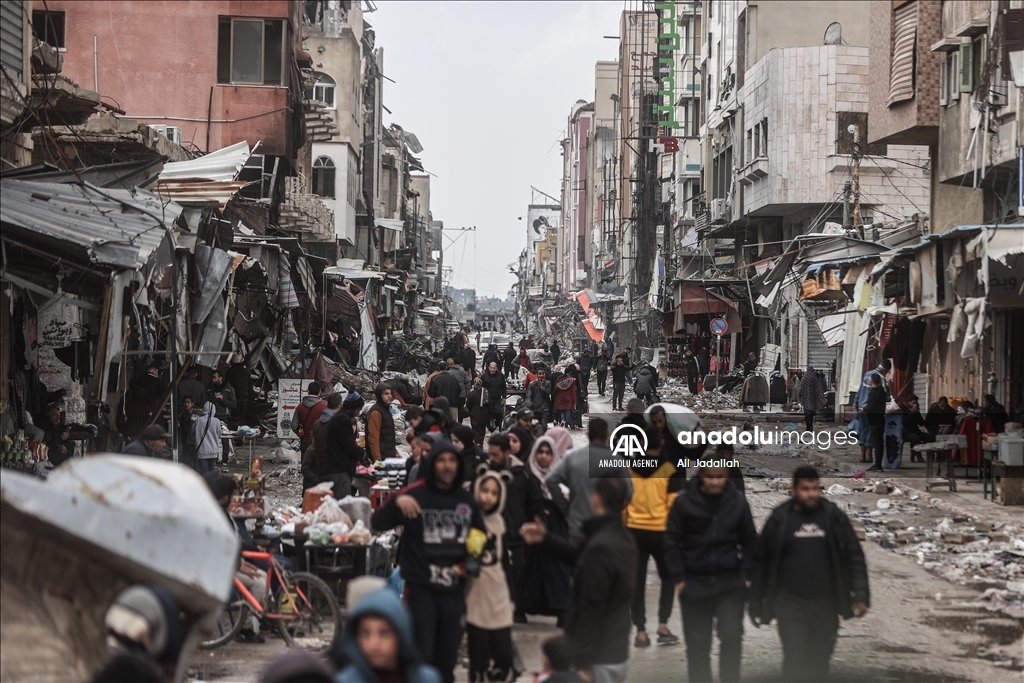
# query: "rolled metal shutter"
{"type": "Point", "coordinates": [901, 81]}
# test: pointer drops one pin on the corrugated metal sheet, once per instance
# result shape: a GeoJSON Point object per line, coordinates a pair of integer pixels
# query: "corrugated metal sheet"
{"type": "Point", "coordinates": [108, 227]}
{"type": "Point", "coordinates": [901, 81]}
{"type": "Point", "coordinates": [199, 192]}
{"type": "Point", "coordinates": [224, 164]}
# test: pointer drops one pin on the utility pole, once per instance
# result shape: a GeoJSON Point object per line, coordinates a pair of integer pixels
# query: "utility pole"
{"type": "Point", "coordinates": [847, 191]}
{"type": "Point", "coordinates": [856, 180]}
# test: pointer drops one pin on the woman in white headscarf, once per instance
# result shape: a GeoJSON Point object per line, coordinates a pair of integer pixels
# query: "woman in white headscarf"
{"type": "Point", "coordinates": [546, 581]}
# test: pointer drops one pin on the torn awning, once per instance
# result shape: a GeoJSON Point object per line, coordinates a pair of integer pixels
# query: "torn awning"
{"type": "Point", "coordinates": [692, 300]}
{"type": "Point", "coordinates": [592, 323]}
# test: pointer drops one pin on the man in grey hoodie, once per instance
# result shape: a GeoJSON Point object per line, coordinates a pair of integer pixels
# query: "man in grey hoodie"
{"type": "Point", "coordinates": [574, 472]}
{"type": "Point", "coordinates": [207, 438]}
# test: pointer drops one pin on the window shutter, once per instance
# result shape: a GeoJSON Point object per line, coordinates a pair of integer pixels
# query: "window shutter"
{"type": "Point", "coordinates": [901, 74]}
{"type": "Point", "coordinates": [967, 67]}
{"type": "Point", "coordinates": [944, 77]}
{"type": "Point", "coordinates": [1013, 35]}
{"type": "Point", "coordinates": [953, 74]}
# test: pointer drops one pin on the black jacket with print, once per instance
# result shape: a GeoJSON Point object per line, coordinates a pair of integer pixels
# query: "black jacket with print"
{"type": "Point", "coordinates": [433, 542]}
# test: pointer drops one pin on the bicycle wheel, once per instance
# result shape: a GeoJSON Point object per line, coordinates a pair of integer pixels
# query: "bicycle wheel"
{"type": "Point", "coordinates": [228, 624]}
{"type": "Point", "coordinates": [312, 617]}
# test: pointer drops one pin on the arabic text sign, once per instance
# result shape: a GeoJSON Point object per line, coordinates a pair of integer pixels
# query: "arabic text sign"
{"type": "Point", "coordinates": [289, 394]}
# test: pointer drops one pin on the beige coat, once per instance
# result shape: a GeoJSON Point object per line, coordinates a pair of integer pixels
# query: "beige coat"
{"type": "Point", "coordinates": [488, 604]}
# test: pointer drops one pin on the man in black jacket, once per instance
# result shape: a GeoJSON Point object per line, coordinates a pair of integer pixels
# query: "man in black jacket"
{"type": "Point", "coordinates": [538, 395]}
{"type": "Point", "coordinates": [808, 570]}
{"type": "Point", "coordinates": [447, 385]}
{"type": "Point", "coordinates": [620, 372]}
{"type": "Point", "coordinates": [601, 368]}
{"type": "Point", "coordinates": [509, 356]}
{"type": "Point", "coordinates": [442, 528]}
{"type": "Point", "coordinates": [597, 622]}
{"type": "Point", "coordinates": [586, 366]}
{"type": "Point", "coordinates": [874, 412]}
{"type": "Point", "coordinates": [342, 453]}
{"type": "Point", "coordinates": [709, 544]}
{"type": "Point", "coordinates": [523, 501]}
{"type": "Point", "coordinates": [497, 388]}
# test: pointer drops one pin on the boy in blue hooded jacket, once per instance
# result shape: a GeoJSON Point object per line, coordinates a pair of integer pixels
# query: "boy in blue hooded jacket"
{"type": "Point", "coordinates": [379, 643]}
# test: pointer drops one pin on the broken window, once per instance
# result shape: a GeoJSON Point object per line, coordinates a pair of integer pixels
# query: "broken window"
{"type": "Point", "coordinates": [48, 27]}
{"type": "Point", "coordinates": [323, 91]}
{"type": "Point", "coordinates": [904, 44]}
{"type": "Point", "coordinates": [324, 177]}
{"type": "Point", "coordinates": [251, 51]}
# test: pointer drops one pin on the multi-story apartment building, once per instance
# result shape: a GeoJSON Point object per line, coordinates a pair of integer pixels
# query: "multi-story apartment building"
{"type": "Point", "coordinates": [577, 199]}
{"type": "Point", "coordinates": [950, 75]}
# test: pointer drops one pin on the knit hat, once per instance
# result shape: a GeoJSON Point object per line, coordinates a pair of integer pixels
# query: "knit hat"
{"type": "Point", "coordinates": [353, 400]}
{"type": "Point", "coordinates": [154, 432]}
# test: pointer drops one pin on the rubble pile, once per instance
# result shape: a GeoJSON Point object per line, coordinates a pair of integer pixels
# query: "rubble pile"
{"type": "Point", "coordinates": [961, 550]}
{"type": "Point", "coordinates": [362, 381]}
{"type": "Point", "coordinates": [675, 391]}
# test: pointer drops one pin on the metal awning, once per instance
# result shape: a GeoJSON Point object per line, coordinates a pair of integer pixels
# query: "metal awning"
{"type": "Point", "coordinates": [107, 227]}
{"type": "Point", "coordinates": [390, 224]}
{"type": "Point", "coordinates": [223, 164]}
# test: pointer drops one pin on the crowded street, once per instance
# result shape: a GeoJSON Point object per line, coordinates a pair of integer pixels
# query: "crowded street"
{"type": "Point", "coordinates": [572, 342]}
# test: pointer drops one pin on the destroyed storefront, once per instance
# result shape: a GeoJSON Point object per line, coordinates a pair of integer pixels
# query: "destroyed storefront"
{"type": "Point", "coordinates": [686, 326]}
{"type": "Point", "coordinates": [80, 265]}
{"type": "Point", "coordinates": [116, 292]}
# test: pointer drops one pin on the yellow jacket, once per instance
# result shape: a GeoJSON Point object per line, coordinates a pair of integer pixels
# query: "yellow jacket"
{"type": "Point", "coordinates": [653, 496]}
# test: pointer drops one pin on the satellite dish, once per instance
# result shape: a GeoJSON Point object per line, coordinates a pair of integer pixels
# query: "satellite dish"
{"type": "Point", "coordinates": [834, 34]}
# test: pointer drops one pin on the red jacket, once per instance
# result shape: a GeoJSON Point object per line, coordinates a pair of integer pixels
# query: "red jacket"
{"type": "Point", "coordinates": [565, 393]}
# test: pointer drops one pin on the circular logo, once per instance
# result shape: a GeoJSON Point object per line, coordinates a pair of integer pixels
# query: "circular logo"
{"type": "Point", "coordinates": [629, 440]}
{"type": "Point", "coordinates": [719, 326]}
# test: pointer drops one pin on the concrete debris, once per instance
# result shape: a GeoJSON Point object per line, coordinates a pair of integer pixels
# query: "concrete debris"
{"type": "Point", "coordinates": [895, 524]}
{"type": "Point", "coordinates": [838, 490]}
{"type": "Point", "coordinates": [905, 536]}
{"type": "Point", "coordinates": [882, 488]}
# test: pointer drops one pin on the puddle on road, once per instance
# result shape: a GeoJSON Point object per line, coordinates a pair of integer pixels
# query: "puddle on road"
{"type": "Point", "coordinates": [1000, 630]}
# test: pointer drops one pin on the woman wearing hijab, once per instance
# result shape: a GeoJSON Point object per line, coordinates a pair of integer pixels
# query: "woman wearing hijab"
{"type": "Point", "coordinates": [546, 581]}
{"type": "Point", "coordinates": [520, 442]}
{"type": "Point", "coordinates": [470, 454]}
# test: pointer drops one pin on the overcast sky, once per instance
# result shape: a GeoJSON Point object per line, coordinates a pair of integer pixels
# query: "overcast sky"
{"type": "Point", "coordinates": [487, 88]}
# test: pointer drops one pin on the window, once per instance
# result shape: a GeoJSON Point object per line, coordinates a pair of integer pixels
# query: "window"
{"type": "Point", "coordinates": [48, 27]}
{"type": "Point", "coordinates": [949, 75]}
{"type": "Point", "coordinates": [323, 91]}
{"type": "Point", "coordinates": [251, 51]}
{"type": "Point", "coordinates": [904, 44]}
{"type": "Point", "coordinates": [323, 177]}
{"type": "Point", "coordinates": [763, 150]}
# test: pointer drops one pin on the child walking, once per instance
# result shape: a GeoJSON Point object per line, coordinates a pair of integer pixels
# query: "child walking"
{"type": "Point", "coordinates": [488, 605]}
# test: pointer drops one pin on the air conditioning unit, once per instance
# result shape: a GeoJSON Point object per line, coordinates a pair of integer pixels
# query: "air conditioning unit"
{"type": "Point", "coordinates": [172, 133]}
{"type": "Point", "coordinates": [719, 210]}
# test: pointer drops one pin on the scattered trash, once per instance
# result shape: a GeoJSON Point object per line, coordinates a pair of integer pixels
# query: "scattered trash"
{"type": "Point", "coordinates": [895, 525]}
{"type": "Point", "coordinates": [915, 497]}
{"type": "Point", "coordinates": [882, 487]}
{"type": "Point", "coordinates": [838, 490]}
{"type": "Point", "coordinates": [860, 474]}
{"type": "Point", "coordinates": [883, 503]}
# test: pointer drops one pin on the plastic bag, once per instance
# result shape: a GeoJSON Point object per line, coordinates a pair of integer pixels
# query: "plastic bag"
{"type": "Point", "coordinates": [357, 508]}
{"type": "Point", "coordinates": [330, 512]}
{"type": "Point", "coordinates": [359, 535]}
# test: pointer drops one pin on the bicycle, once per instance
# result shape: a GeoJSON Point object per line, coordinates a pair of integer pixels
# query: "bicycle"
{"type": "Point", "coordinates": [303, 607]}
